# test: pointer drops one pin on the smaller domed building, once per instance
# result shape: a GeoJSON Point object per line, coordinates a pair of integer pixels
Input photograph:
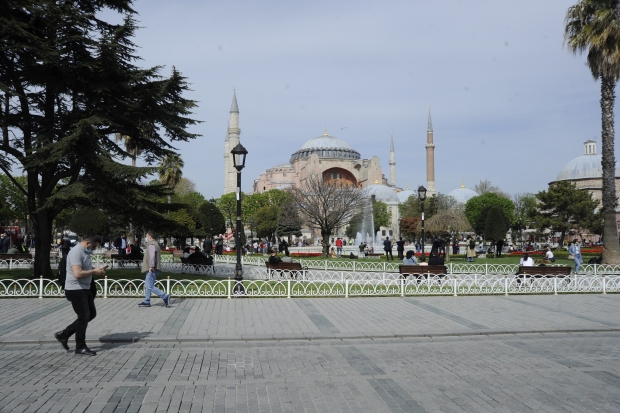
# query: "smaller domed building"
{"type": "Point", "coordinates": [586, 172]}
{"type": "Point", "coordinates": [463, 194]}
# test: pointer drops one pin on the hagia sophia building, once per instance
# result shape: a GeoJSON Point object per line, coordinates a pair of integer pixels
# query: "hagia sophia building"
{"type": "Point", "coordinates": [337, 161]}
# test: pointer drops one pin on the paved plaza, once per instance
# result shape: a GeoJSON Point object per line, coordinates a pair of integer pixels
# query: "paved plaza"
{"type": "Point", "coordinates": [539, 353]}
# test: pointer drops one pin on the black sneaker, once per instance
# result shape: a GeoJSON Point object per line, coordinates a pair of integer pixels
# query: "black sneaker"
{"type": "Point", "coordinates": [85, 351]}
{"type": "Point", "coordinates": [63, 341]}
{"type": "Point", "coordinates": [144, 304]}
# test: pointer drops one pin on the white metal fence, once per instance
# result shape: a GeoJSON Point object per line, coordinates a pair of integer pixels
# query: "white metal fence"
{"type": "Point", "coordinates": [351, 285]}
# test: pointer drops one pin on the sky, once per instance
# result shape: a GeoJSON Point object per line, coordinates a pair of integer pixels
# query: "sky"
{"type": "Point", "coordinates": [509, 102]}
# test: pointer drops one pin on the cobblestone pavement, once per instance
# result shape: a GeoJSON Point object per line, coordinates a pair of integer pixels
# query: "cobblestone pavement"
{"type": "Point", "coordinates": [430, 354]}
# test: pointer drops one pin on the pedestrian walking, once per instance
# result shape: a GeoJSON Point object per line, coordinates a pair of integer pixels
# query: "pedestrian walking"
{"type": "Point", "coordinates": [387, 247]}
{"type": "Point", "coordinates": [219, 245]}
{"type": "Point", "coordinates": [575, 250]}
{"type": "Point", "coordinates": [151, 264]}
{"type": "Point", "coordinates": [471, 249]}
{"type": "Point", "coordinates": [207, 246]}
{"type": "Point", "coordinates": [499, 248]}
{"type": "Point", "coordinates": [400, 248]}
{"type": "Point", "coordinates": [79, 276]}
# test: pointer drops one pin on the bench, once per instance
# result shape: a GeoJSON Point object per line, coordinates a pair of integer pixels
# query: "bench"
{"type": "Point", "coordinates": [17, 256]}
{"type": "Point", "coordinates": [194, 263]}
{"type": "Point", "coordinates": [134, 258]}
{"type": "Point", "coordinates": [292, 269]}
{"type": "Point", "coordinates": [422, 271]}
{"type": "Point", "coordinates": [542, 271]}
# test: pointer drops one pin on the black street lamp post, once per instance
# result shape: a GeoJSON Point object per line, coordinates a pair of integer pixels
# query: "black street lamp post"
{"type": "Point", "coordinates": [239, 153]}
{"type": "Point", "coordinates": [422, 196]}
{"type": "Point", "coordinates": [399, 232]}
{"type": "Point", "coordinates": [251, 231]}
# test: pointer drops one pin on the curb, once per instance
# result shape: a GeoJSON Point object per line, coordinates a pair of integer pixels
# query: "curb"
{"type": "Point", "coordinates": [322, 337]}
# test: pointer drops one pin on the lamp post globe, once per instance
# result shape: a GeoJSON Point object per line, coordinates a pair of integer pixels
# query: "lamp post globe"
{"type": "Point", "coordinates": [422, 196]}
{"type": "Point", "coordinates": [239, 154]}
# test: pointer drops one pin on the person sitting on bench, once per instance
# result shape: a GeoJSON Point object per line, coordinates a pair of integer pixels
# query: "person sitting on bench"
{"type": "Point", "coordinates": [435, 258]}
{"type": "Point", "coordinates": [273, 258]}
{"type": "Point", "coordinates": [526, 261]}
{"type": "Point", "coordinates": [410, 259]}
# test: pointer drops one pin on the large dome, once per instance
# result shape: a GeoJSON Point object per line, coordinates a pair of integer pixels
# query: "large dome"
{"type": "Point", "coordinates": [462, 194]}
{"type": "Point", "coordinates": [586, 166]}
{"type": "Point", "coordinates": [326, 147]}
{"type": "Point", "coordinates": [382, 193]}
{"type": "Point", "coordinates": [582, 167]}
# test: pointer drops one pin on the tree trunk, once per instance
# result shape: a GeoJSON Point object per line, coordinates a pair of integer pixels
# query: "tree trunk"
{"type": "Point", "coordinates": [611, 250]}
{"type": "Point", "coordinates": [325, 236]}
{"type": "Point", "coordinates": [42, 244]}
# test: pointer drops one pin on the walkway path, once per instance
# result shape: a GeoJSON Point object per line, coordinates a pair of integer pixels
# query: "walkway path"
{"type": "Point", "coordinates": [428, 354]}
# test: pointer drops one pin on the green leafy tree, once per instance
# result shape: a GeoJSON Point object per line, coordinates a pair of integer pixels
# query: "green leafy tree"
{"type": "Point", "coordinates": [266, 221]}
{"type": "Point", "coordinates": [475, 206]}
{"type": "Point", "coordinates": [481, 221]}
{"type": "Point", "coordinates": [381, 215]}
{"type": "Point", "coordinates": [211, 218]}
{"type": "Point", "coordinates": [594, 26]}
{"type": "Point", "coordinates": [68, 85]}
{"type": "Point", "coordinates": [227, 204]}
{"type": "Point", "coordinates": [563, 207]}
{"type": "Point", "coordinates": [496, 225]}
{"type": "Point", "coordinates": [90, 221]}
{"type": "Point", "coordinates": [525, 210]}
{"type": "Point", "coordinates": [13, 202]}
{"type": "Point", "coordinates": [410, 208]}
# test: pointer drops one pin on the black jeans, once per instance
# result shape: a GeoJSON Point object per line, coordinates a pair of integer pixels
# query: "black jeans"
{"type": "Point", "coordinates": [83, 304]}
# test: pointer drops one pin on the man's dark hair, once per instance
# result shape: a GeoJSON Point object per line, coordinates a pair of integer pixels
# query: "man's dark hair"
{"type": "Point", "coordinates": [93, 238]}
{"type": "Point", "coordinates": [152, 233]}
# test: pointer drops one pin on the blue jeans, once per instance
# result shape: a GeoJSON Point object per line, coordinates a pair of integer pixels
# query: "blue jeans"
{"type": "Point", "coordinates": [149, 286]}
{"type": "Point", "coordinates": [578, 261]}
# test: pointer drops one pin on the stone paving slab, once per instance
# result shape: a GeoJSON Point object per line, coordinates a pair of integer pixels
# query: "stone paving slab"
{"type": "Point", "coordinates": [413, 354]}
{"type": "Point", "coordinates": [120, 319]}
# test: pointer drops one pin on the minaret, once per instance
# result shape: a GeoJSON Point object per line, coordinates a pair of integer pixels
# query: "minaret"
{"type": "Point", "coordinates": [430, 158]}
{"type": "Point", "coordinates": [232, 139]}
{"type": "Point", "coordinates": [392, 162]}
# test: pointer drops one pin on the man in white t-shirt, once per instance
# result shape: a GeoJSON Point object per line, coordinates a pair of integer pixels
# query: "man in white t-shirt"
{"type": "Point", "coordinates": [77, 290]}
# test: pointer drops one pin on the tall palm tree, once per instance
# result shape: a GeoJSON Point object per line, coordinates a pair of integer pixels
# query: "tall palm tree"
{"type": "Point", "coordinates": [594, 26]}
{"type": "Point", "coordinates": [171, 171]}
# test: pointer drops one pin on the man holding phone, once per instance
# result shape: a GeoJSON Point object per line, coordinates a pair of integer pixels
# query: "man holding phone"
{"type": "Point", "coordinates": [77, 289]}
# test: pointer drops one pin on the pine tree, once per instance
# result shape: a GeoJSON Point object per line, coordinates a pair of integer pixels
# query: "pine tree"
{"type": "Point", "coordinates": [68, 86]}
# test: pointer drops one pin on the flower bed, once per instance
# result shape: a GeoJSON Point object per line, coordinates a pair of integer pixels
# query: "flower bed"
{"type": "Point", "coordinates": [527, 252]}
{"type": "Point", "coordinates": [593, 250]}
{"type": "Point", "coordinates": [306, 254]}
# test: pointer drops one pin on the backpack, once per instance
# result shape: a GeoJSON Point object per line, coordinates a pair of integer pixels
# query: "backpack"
{"type": "Point", "coordinates": [472, 244]}
{"type": "Point", "coordinates": [62, 272]}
